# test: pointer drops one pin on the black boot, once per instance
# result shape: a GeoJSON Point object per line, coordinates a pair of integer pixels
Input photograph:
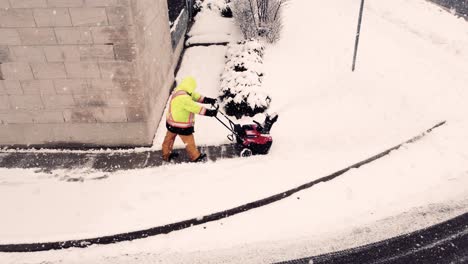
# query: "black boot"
{"type": "Point", "coordinates": [201, 158]}
{"type": "Point", "coordinates": [172, 156]}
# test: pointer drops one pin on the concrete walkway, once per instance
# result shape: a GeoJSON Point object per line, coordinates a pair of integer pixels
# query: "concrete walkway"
{"type": "Point", "coordinates": [104, 161]}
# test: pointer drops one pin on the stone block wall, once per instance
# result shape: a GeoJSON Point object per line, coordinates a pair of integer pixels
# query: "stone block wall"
{"type": "Point", "coordinates": [155, 67]}
{"type": "Point", "coordinates": [84, 72]}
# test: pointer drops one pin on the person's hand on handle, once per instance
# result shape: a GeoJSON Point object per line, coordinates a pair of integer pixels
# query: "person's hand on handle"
{"type": "Point", "coordinates": [212, 112]}
{"type": "Point", "coordinates": [208, 100]}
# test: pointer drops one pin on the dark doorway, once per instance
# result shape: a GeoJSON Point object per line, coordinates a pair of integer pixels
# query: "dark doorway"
{"type": "Point", "coordinates": [179, 17]}
{"type": "Point", "coordinates": [175, 7]}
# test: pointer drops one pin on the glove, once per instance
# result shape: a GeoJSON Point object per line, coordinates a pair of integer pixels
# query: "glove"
{"type": "Point", "coordinates": [211, 112]}
{"type": "Point", "coordinates": [208, 100]}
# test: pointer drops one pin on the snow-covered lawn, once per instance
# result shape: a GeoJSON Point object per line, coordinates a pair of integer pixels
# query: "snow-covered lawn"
{"type": "Point", "coordinates": [412, 72]}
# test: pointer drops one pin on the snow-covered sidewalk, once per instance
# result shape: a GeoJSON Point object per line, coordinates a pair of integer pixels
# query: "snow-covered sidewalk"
{"type": "Point", "coordinates": [206, 65]}
{"type": "Point", "coordinates": [211, 28]}
{"type": "Point", "coordinates": [406, 81]}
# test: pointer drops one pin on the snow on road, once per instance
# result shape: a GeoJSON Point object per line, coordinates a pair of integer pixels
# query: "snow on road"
{"type": "Point", "coordinates": [412, 72]}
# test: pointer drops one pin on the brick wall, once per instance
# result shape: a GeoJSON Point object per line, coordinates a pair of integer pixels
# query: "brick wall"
{"type": "Point", "coordinates": [92, 72]}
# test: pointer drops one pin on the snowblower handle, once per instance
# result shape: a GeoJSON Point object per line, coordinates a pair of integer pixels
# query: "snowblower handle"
{"type": "Point", "coordinates": [230, 126]}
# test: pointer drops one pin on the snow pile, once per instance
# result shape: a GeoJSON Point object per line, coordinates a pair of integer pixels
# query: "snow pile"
{"type": "Point", "coordinates": [241, 83]}
{"type": "Point", "coordinates": [211, 26]}
{"type": "Point", "coordinates": [221, 6]}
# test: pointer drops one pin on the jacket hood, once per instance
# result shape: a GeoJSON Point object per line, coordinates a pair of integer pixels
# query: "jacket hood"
{"type": "Point", "coordinates": [187, 84]}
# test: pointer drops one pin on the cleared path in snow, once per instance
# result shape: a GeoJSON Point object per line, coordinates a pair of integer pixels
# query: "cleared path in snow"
{"type": "Point", "coordinates": [103, 161]}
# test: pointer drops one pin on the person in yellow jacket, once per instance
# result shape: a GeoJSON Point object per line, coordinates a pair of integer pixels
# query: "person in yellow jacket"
{"type": "Point", "coordinates": [180, 118]}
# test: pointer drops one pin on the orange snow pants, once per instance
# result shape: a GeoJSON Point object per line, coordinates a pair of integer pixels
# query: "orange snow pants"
{"type": "Point", "coordinates": [189, 142]}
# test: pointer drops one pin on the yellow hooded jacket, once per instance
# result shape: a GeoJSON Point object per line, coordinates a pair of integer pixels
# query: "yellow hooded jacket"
{"type": "Point", "coordinates": [183, 106]}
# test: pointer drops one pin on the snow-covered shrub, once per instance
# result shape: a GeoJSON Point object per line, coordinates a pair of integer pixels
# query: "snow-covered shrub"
{"type": "Point", "coordinates": [242, 96]}
{"type": "Point", "coordinates": [222, 6]}
{"type": "Point", "coordinates": [245, 60]}
{"type": "Point", "coordinates": [249, 46]}
{"type": "Point", "coordinates": [241, 82]}
{"type": "Point", "coordinates": [259, 18]}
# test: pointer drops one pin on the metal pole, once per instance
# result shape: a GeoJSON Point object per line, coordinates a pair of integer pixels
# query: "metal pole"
{"type": "Point", "coordinates": [189, 5]}
{"type": "Point", "coordinates": [356, 44]}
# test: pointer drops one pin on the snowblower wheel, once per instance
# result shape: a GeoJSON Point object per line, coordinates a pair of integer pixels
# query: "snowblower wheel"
{"type": "Point", "coordinates": [246, 153]}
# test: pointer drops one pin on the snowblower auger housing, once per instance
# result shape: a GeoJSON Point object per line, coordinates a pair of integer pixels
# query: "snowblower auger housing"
{"type": "Point", "coordinates": [251, 139]}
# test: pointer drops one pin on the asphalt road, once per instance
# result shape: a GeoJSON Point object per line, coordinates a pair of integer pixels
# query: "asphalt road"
{"type": "Point", "coordinates": [446, 242]}
{"type": "Point", "coordinates": [460, 6]}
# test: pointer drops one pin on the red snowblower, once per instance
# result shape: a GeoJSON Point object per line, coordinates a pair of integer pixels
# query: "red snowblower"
{"type": "Point", "coordinates": [251, 139]}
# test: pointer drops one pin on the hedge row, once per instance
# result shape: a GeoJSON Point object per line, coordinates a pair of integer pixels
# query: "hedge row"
{"type": "Point", "coordinates": [241, 91]}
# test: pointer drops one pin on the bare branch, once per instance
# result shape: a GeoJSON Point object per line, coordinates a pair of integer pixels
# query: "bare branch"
{"type": "Point", "coordinates": [253, 14]}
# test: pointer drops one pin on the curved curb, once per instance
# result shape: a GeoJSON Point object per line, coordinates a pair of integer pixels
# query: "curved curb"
{"type": "Point", "coordinates": [206, 44]}
{"type": "Point", "coordinates": [446, 242]}
{"type": "Point", "coordinates": [165, 229]}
